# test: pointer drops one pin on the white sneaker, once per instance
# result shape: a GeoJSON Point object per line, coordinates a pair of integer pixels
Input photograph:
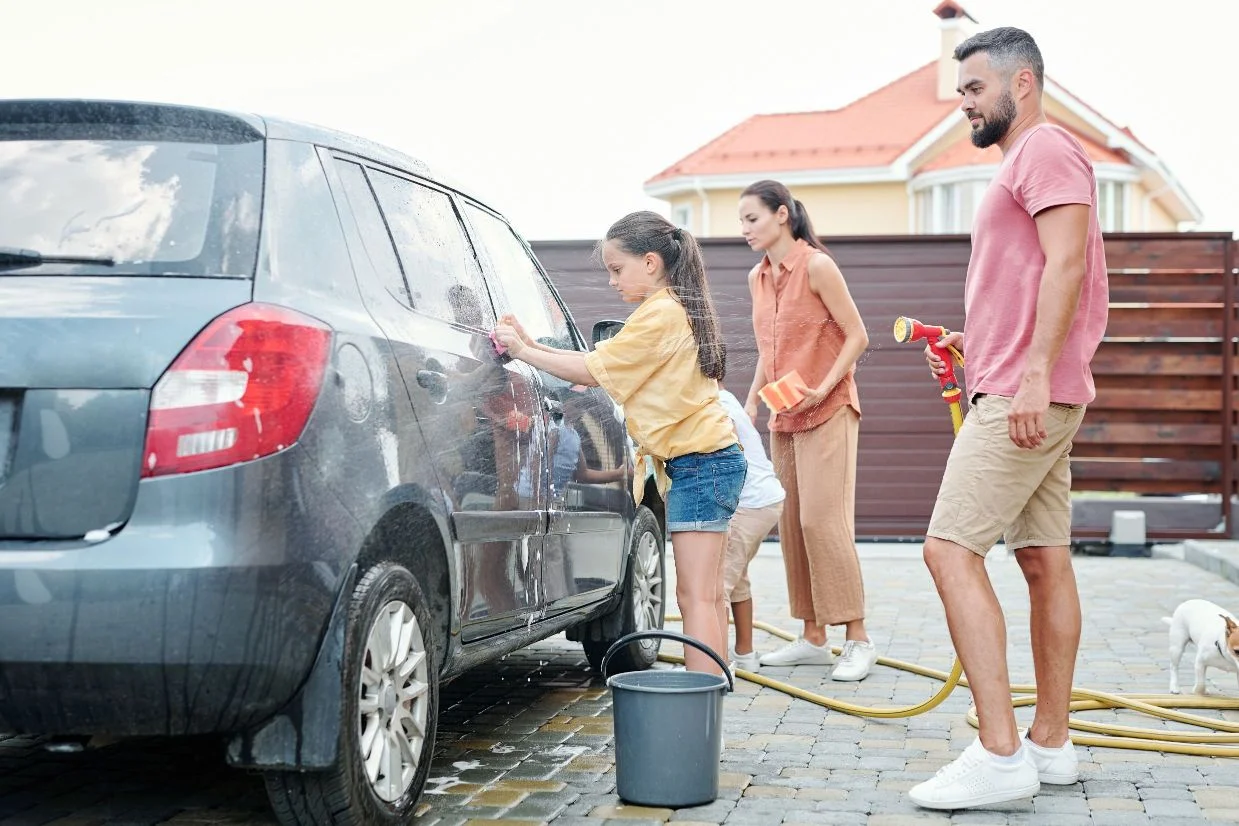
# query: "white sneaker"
{"type": "Point", "coordinates": [799, 652]}
{"type": "Point", "coordinates": [1057, 767]}
{"type": "Point", "coordinates": [977, 778]}
{"type": "Point", "coordinates": [855, 661]}
{"type": "Point", "coordinates": [748, 662]}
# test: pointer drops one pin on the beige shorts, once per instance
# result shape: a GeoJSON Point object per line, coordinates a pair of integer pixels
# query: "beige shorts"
{"type": "Point", "coordinates": [749, 526]}
{"type": "Point", "coordinates": [992, 488]}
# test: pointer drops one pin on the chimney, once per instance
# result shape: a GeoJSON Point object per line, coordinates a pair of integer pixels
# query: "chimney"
{"type": "Point", "coordinates": [957, 26]}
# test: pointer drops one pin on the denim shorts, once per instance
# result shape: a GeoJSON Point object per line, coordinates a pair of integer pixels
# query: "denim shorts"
{"type": "Point", "coordinates": [705, 489]}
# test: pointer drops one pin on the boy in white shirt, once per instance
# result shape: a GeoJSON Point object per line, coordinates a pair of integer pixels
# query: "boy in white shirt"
{"type": "Point", "coordinates": [761, 505]}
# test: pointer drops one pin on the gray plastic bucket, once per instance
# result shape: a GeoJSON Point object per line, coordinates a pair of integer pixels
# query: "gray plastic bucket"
{"type": "Point", "coordinates": [668, 729]}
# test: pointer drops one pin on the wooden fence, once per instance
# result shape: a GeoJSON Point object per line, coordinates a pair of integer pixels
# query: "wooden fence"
{"type": "Point", "coordinates": [1164, 418]}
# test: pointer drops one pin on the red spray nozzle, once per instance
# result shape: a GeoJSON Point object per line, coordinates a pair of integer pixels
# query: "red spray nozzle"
{"type": "Point", "coordinates": [909, 329]}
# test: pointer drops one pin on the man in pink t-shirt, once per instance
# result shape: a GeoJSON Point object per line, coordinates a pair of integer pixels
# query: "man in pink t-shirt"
{"type": "Point", "coordinates": [1036, 304]}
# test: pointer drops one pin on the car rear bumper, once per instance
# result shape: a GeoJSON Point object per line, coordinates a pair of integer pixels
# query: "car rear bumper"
{"type": "Point", "coordinates": [203, 614]}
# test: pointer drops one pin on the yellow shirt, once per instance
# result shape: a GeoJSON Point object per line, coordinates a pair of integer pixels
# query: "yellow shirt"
{"type": "Point", "coordinates": [651, 369]}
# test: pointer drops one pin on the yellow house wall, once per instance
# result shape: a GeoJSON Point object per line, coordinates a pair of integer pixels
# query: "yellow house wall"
{"type": "Point", "coordinates": [1153, 219]}
{"type": "Point", "coordinates": [721, 213]}
{"type": "Point", "coordinates": [856, 209]}
{"type": "Point", "coordinates": [1060, 112]}
{"type": "Point", "coordinates": [879, 209]}
{"type": "Point", "coordinates": [847, 209]}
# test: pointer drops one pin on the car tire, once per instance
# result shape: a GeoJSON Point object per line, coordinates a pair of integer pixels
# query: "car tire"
{"type": "Point", "coordinates": [390, 703]}
{"type": "Point", "coordinates": [643, 607]}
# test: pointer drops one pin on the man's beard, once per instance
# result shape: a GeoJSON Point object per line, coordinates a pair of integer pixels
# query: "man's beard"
{"type": "Point", "coordinates": [995, 125]}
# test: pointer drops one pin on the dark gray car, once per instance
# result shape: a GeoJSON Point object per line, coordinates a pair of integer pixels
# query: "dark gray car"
{"type": "Point", "coordinates": [262, 473]}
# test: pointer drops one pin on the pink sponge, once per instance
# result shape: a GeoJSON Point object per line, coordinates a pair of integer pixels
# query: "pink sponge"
{"type": "Point", "coordinates": [499, 348]}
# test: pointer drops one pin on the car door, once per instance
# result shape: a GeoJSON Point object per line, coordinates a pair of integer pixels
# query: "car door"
{"type": "Point", "coordinates": [589, 472]}
{"type": "Point", "coordinates": [479, 417]}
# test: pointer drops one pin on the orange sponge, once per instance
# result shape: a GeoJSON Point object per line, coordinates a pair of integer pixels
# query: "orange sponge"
{"type": "Point", "coordinates": [781, 394]}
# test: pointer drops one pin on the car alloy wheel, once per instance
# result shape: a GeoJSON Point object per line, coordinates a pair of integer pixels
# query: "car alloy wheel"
{"type": "Point", "coordinates": [394, 702]}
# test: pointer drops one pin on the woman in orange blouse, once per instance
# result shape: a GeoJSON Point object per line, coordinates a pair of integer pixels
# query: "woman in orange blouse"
{"type": "Point", "coordinates": [804, 320]}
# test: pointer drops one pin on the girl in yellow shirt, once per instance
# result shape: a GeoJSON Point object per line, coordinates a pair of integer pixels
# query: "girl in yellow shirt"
{"type": "Point", "coordinates": [664, 368]}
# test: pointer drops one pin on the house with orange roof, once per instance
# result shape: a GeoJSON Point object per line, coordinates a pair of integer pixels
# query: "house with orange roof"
{"type": "Point", "coordinates": [918, 171]}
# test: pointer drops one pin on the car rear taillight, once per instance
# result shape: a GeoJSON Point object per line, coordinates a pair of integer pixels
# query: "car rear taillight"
{"type": "Point", "coordinates": [242, 389]}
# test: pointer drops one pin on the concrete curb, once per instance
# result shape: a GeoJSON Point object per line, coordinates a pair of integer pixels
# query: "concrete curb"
{"type": "Point", "coordinates": [1221, 558]}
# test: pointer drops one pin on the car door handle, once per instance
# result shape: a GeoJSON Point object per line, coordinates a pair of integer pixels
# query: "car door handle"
{"type": "Point", "coordinates": [433, 381]}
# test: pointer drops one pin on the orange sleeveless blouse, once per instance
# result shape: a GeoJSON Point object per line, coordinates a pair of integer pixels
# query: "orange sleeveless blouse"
{"type": "Point", "coordinates": [795, 331]}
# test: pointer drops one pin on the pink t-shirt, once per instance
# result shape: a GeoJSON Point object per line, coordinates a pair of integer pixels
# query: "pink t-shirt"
{"type": "Point", "coordinates": [1046, 167]}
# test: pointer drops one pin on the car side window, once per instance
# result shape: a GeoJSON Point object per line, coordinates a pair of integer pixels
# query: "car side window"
{"type": "Point", "coordinates": [444, 278]}
{"type": "Point", "coordinates": [526, 293]}
{"type": "Point", "coordinates": [303, 246]}
{"type": "Point", "coordinates": [374, 235]}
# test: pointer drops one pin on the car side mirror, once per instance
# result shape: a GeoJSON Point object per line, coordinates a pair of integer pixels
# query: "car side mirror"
{"type": "Point", "coordinates": [604, 330]}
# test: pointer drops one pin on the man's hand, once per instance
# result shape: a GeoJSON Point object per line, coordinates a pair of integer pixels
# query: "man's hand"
{"type": "Point", "coordinates": [936, 365]}
{"type": "Point", "coordinates": [1026, 421]}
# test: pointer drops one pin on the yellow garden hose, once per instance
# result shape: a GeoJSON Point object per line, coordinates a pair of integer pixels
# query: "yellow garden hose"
{"type": "Point", "coordinates": [1082, 699]}
{"type": "Point", "coordinates": [957, 415]}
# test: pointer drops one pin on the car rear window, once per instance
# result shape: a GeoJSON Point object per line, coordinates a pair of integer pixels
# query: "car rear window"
{"type": "Point", "coordinates": [157, 199]}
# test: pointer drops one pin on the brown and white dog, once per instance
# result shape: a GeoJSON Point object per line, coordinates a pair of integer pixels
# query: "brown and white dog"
{"type": "Point", "coordinates": [1215, 633]}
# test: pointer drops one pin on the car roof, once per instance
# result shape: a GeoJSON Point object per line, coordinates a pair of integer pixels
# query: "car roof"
{"type": "Point", "coordinates": [59, 110]}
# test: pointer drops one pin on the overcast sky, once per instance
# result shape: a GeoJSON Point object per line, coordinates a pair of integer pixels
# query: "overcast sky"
{"type": "Point", "coordinates": [556, 111]}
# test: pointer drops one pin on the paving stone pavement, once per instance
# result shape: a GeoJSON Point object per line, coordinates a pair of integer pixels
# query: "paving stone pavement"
{"type": "Point", "coordinates": [529, 740]}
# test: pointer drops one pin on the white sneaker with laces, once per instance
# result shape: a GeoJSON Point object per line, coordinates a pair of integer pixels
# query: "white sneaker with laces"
{"type": "Point", "coordinates": [748, 662]}
{"type": "Point", "coordinates": [977, 778]}
{"type": "Point", "coordinates": [1057, 767]}
{"type": "Point", "coordinates": [855, 661]}
{"type": "Point", "coordinates": [799, 652]}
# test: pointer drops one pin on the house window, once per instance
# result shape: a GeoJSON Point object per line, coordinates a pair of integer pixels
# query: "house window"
{"type": "Point", "coordinates": [951, 207]}
{"type": "Point", "coordinates": [1112, 205]}
{"type": "Point", "coordinates": [948, 208]}
{"type": "Point", "coordinates": [682, 217]}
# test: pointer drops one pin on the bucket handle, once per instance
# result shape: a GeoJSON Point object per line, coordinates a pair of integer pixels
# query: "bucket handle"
{"type": "Point", "coordinates": [670, 635]}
